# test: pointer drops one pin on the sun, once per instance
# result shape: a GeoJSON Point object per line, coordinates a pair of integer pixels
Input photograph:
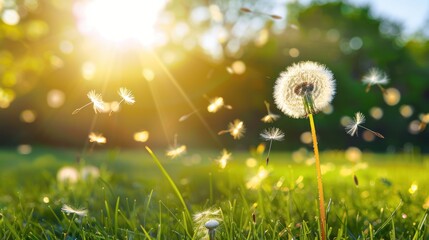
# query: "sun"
{"type": "Point", "coordinates": [120, 20]}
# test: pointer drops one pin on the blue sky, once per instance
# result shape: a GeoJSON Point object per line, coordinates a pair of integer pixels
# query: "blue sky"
{"type": "Point", "coordinates": [411, 13]}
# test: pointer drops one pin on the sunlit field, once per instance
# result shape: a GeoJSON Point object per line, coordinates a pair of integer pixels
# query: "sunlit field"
{"type": "Point", "coordinates": [211, 120]}
{"type": "Point", "coordinates": [126, 196]}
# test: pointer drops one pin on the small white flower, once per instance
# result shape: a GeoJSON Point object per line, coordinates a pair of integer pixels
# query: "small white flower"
{"type": "Point", "coordinates": [69, 210]}
{"type": "Point", "coordinates": [300, 81]}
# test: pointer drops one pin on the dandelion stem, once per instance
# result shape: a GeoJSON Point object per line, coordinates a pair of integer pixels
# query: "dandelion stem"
{"type": "Point", "coordinates": [373, 132]}
{"type": "Point", "coordinates": [78, 109]}
{"type": "Point", "coordinates": [269, 151]}
{"type": "Point", "coordinates": [319, 179]}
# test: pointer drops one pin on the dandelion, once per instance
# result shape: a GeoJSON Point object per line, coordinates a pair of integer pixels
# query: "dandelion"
{"type": "Point", "coordinates": [126, 96]}
{"type": "Point", "coordinates": [216, 104]}
{"type": "Point", "coordinates": [358, 120]}
{"type": "Point", "coordinates": [272, 134]}
{"type": "Point", "coordinates": [68, 175]}
{"type": "Point", "coordinates": [97, 138]}
{"type": "Point", "coordinates": [236, 129]}
{"type": "Point", "coordinates": [96, 100]}
{"type": "Point", "coordinates": [224, 158]}
{"type": "Point", "coordinates": [302, 90]}
{"type": "Point", "coordinates": [70, 210]}
{"type": "Point", "coordinates": [270, 117]}
{"type": "Point", "coordinates": [375, 77]}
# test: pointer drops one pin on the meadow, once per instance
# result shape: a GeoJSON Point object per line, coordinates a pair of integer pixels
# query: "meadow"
{"type": "Point", "coordinates": [135, 195]}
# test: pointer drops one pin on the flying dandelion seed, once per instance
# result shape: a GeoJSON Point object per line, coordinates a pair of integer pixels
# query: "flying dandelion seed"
{"type": "Point", "coordinates": [356, 180]}
{"type": "Point", "coordinates": [224, 158]}
{"type": "Point", "coordinates": [248, 10]}
{"type": "Point", "coordinates": [272, 134]}
{"type": "Point", "coordinates": [358, 120]}
{"type": "Point", "coordinates": [97, 138]}
{"type": "Point", "coordinates": [375, 77]}
{"type": "Point", "coordinates": [216, 104]}
{"type": "Point", "coordinates": [176, 152]}
{"type": "Point", "coordinates": [70, 210]}
{"type": "Point", "coordinates": [186, 116]}
{"type": "Point", "coordinates": [96, 100]}
{"type": "Point", "coordinates": [424, 120]}
{"type": "Point", "coordinates": [270, 117]}
{"type": "Point", "coordinates": [126, 96]}
{"type": "Point", "coordinates": [236, 129]}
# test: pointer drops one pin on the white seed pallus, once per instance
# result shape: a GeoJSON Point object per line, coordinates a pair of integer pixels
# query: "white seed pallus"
{"type": "Point", "coordinates": [96, 100]}
{"type": "Point", "coordinates": [358, 120]}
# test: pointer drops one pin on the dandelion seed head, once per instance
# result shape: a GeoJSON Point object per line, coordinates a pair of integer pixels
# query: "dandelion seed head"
{"type": "Point", "coordinates": [89, 172]}
{"type": "Point", "coordinates": [126, 95]}
{"type": "Point", "coordinates": [375, 76]}
{"type": "Point", "coordinates": [272, 134]}
{"type": "Point", "coordinates": [70, 210]}
{"type": "Point", "coordinates": [176, 152]}
{"type": "Point", "coordinates": [97, 138]}
{"type": "Point", "coordinates": [301, 79]}
{"type": "Point", "coordinates": [352, 127]}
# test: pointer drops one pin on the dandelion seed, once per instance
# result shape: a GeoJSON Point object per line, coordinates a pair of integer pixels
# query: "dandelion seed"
{"type": "Point", "coordinates": [216, 104]}
{"type": "Point", "coordinates": [248, 10]}
{"type": "Point", "coordinates": [186, 116]}
{"type": "Point", "coordinates": [96, 100]}
{"type": "Point", "coordinates": [305, 87]}
{"type": "Point", "coordinates": [356, 180]}
{"type": "Point", "coordinates": [177, 151]}
{"type": "Point", "coordinates": [224, 158]}
{"type": "Point", "coordinates": [352, 127]}
{"type": "Point", "coordinates": [97, 138]}
{"type": "Point", "coordinates": [69, 210]}
{"type": "Point", "coordinates": [375, 77]}
{"type": "Point", "coordinates": [126, 96]}
{"type": "Point", "coordinates": [272, 134]}
{"type": "Point", "coordinates": [236, 129]}
{"type": "Point", "coordinates": [270, 117]}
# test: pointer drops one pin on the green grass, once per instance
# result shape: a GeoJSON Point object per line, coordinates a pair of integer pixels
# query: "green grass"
{"type": "Point", "coordinates": [144, 196]}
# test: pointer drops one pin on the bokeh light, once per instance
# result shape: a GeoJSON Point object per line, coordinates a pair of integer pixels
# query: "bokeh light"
{"type": "Point", "coordinates": [28, 116]}
{"type": "Point", "coordinates": [392, 96]}
{"type": "Point", "coordinates": [24, 149]}
{"type": "Point", "coordinates": [406, 111]}
{"type": "Point", "coordinates": [238, 67]}
{"type": "Point", "coordinates": [55, 98]}
{"type": "Point", "coordinates": [306, 138]}
{"type": "Point", "coordinates": [141, 136]}
{"type": "Point", "coordinates": [88, 70]}
{"type": "Point", "coordinates": [353, 154]}
{"type": "Point", "coordinates": [376, 113]}
{"type": "Point", "coordinates": [368, 136]}
{"type": "Point", "coordinates": [119, 21]}
{"type": "Point", "coordinates": [10, 17]}
{"type": "Point", "coordinates": [148, 74]}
